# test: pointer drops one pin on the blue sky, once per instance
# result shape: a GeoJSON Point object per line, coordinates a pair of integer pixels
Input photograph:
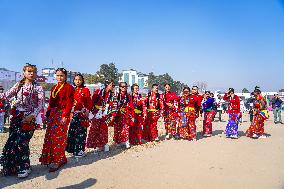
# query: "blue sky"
{"type": "Point", "coordinates": [236, 43]}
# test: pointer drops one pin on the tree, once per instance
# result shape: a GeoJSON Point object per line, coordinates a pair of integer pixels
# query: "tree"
{"type": "Point", "coordinates": [245, 90]}
{"type": "Point", "coordinates": [151, 79]}
{"type": "Point", "coordinates": [161, 80]}
{"type": "Point", "coordinates": [281, 90]}
{"type": "Point", "coordinates": [46, 86]}
{"type": "Point", "coordinates": [108, 71]}
{"type": "Point", "coordinates": [91, 78]}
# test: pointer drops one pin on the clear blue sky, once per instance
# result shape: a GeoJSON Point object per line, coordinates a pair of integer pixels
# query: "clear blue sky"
{"type": "Point", "coordinates": [227, 43]}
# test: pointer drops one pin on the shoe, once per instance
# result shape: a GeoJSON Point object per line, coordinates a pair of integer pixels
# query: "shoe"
{"type": "Point", "coordinates": [56, 167]}
{"type": "Point", "coordinates": [254, 136]}
{"type": "Point", "coordinates": [275, 122]}
{"type": "Point", "coordinates": [207, 135]}
{"type": "Point", "coordinates": [176, 137]}
{"type": "Point", "coordinates": [106, 148]}
{"type": "Point", "coordinates": [127, 144]}
{"type": "Point", "coordinates": [157, 139]}
{"type": "Point", "coordinates": [80, 154]}
{"type": "Point", "coordinates": [262, 136]}
{"type": "Point", "coordinates": [234, 136]}
{"type": "Point", "coordinates": [168, 136]}
{"type": "Point", "coordinates": [281, 122]}
{"type": "Point", "coordinates": [24, 173]}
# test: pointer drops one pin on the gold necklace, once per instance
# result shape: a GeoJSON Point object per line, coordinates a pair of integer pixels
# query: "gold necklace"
{"type": "Point", "coordinates": [54, 95]}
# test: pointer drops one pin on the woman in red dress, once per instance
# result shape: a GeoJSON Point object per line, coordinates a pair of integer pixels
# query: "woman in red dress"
{"type": "Point", "coordinates": [58, 117]}
{"type": "Point", "coordinates": [104, 106]}
{"type": "Point", "coordinates": [77, 132]}
{"type": "Point", "coordinates": [188, 112]}
{"type": "Point", "coordinates": [140, 112]}
{"type": "Point", "coordinates": [124, 116]}
{"type": "Point", "coordinates": [171, 117]}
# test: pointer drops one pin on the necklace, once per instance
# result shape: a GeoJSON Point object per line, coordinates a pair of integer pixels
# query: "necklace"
{"type": "Point", "coordinates": [54, 94]}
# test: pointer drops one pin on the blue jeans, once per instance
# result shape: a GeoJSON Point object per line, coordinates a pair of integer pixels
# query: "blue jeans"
{"type": "Point", "coordinates": [277, 114]}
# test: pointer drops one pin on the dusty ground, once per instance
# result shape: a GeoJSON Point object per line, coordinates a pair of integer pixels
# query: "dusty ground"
{"type": "Point", "coordinates": [215, 162]}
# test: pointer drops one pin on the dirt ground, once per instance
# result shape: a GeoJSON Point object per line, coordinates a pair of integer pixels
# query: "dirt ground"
{"type": "Point", "coordinates": [215, 162]}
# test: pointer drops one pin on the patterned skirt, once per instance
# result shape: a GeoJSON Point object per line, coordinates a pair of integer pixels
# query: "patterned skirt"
{"type": "Point", "coordinates": [16, 152]}
{"type": "Point", "coordinates": [150, 131]}
{"type": "Point", "coordinates": [232, 126]}
{"type": "Point", "coordinates": [121, 128]}
{"type": "Point", "coordinates": [77, 133]}
{"type": "Point", "coordinates": [98, 134]}
{"type": "Point", "coordinates": [135, 130]}
{"type": "Point", "coordinates": [207, 122]}
{"type": "Point", "coordinates": [171, 121]}
{"type": "Point", "coordinates": [257, 126]}
{"type": "Point", "coordinates": [187, 126]}
{"type": "Point", "coordinates": [55, 139]}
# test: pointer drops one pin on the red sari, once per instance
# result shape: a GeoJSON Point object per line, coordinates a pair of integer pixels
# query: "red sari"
{"type": "Point", "coordinates": [103, 109]}
{"type": "Point", "coordinates": [155, 107]}
{"type": "Point", "coordinates": [257, 125]}
{"type": "Point", "coordinates": [135, 132]}
{"type": "Point", "coordinates": [60, 106]}
{"type": "Point", "coordinates": [189, 107]}
{"type": "Point", "coordinates": [123, 118]}
{"type": "Point", "coordinates": [171, 117]}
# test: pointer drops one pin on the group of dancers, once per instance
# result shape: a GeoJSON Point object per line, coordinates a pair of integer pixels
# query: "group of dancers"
{"type": "Point", "coordinates": [72, 110]}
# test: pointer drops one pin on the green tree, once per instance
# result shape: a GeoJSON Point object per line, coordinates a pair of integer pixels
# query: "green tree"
{"type": "Point", "coordinates": [46, 86]}
{"type": "Point", "coordinates": [91, 78]}
{"type": "Point", "coordinates": [245, 90]}
{"type": "Point", "coordinates": [108, 71]}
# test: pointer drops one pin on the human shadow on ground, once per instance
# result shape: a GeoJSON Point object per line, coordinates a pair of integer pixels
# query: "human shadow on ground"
{"type": "Point", "coordinates": [85, 184]}
{"type": "Point", "coordinates": [199, 135]}
{"type": "Point", "coordinates": [39, 170]}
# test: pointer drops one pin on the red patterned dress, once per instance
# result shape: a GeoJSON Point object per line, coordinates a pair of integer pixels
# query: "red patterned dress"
{"type": "Point", "coordinates": [60, 105]}
{"type": "Point", "coordinates": [260, 115]}
{"type": "Point", "coordinates": [209, 114]}
{"type": "Point", "coordinates": [140, 112]}
{"type": "Point", "coordinates": [123, 118]}
{"type": "Point", "coordinates": [77, 132]}
{"type": "Point", "coordinates": [103, 109]}
{"type": "Point", "coordinates": [155, 107]}
{"type": "Point", "coordinates": [171, 114]}
{"type": "Point", "coordinates": [189, 108]}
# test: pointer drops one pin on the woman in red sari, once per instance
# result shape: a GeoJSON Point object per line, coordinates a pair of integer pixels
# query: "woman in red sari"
{"type": "Point", "coordinates": [124, 117]}
{"type": "Point", "coordinates": [171, 117]}
{"type": "Point", "coordinates": [189, 108]}
{"type": "Point", "coordinates": [104, 106]}
{"type": "Point", "coordinates": [155, 108]}
{"type": "Point", "coordinates": [58, 117]}
{"type": "Point", "coordinates": [256, 129]}
{"type": "Point", "coordinates": [135, 133]}
{"type": "Point", "coordinates": [77, 132]}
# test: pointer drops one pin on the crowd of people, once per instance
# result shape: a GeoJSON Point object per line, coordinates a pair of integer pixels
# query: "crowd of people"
{"type": "Point", "coordinates": [72, 111]}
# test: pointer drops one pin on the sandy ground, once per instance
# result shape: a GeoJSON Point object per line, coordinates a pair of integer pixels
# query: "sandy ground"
{"type": "Point", "coordinates": [215, 162]}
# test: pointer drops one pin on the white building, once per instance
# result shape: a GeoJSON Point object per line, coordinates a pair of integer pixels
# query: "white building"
{"type": "Point", "coordinates": [49, 74]}
{"type": "Point", "coordinates": [132, 76]}
{"type": "Point", "coordinates": [9, 78]}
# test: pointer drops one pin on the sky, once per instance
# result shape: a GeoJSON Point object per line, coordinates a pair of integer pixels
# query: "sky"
{"type": "Point", "coordinates": [236, 43]}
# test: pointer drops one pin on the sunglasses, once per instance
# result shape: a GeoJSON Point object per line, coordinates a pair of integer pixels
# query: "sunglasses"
{"type": "Point", "coordinates": [123, 86]}
{"type": "Point", "coordinates": [186, 91]}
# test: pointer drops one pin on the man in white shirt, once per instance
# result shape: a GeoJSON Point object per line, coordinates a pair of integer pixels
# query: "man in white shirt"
{"type": "Point", "coordinates": [220, 102]}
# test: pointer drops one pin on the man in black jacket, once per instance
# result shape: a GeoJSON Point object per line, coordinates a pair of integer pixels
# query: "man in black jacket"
{"type": "Point", "coordinates": [277, 105]}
